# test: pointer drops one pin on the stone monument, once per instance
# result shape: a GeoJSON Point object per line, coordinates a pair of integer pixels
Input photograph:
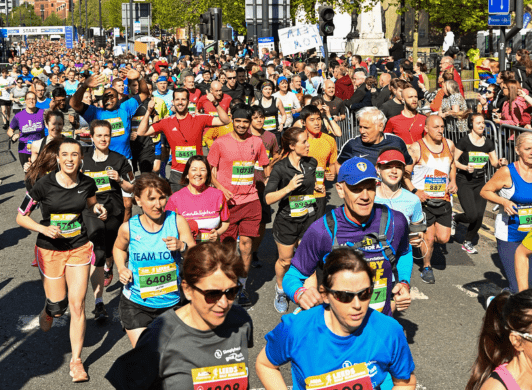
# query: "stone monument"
{"type": "Point", "coordinates": [371, 41]}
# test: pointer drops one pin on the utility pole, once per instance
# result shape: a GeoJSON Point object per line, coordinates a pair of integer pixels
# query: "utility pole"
{"type": "Point", "coordinates": [255, 27]}
{"type": "Point", "coordinates": [80, 25]}
{"type": "Point", "coordinates": [131, 26]}
{"type": "Point", "coordinates": [265, 21]}
{"type": "Point", "coordinates": [100, 10]}
{"type": "Point", "coordinates": [512, 33]}
{"type": "Point", "coordinates": [86, 21]}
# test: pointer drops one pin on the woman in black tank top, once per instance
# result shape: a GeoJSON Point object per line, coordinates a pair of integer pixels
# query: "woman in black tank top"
{"type": "Point", "coordinates": [272, 107]}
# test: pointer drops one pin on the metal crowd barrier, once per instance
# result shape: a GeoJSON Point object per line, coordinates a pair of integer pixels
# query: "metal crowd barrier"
{"type": "Point", "coordinates": [349, 128]}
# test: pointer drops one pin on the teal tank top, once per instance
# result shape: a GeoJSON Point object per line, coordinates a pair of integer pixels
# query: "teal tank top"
{"type": "Point", "coordinates": [155, 268]}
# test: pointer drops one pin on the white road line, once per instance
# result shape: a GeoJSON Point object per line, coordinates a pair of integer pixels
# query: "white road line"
{"type": "Point", "coordinates": [416, 294]}
{"type": "Point", "coordinates": [468, 292]}
{"type": "Point", "coordinates": [27, 323]}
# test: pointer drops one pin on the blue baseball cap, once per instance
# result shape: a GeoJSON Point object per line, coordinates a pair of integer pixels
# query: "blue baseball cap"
{"type": "Point", "coordinates": [356, 170]}
{"type": "Point", "coordinates": [280, 79]}
{"type": "Point", "coordinates": [162, 78]}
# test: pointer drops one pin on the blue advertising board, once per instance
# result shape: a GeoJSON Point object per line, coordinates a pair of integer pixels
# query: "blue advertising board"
{"type": "Point", "coordinates": [69, 37]}
{"type": "Point", "coordinates": [499, 6]}
{"type": "Point", "coordinates": [499, 20]}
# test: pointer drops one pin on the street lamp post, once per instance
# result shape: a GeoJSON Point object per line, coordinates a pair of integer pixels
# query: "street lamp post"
{"type": "Point", "coordinates": [100, 10]}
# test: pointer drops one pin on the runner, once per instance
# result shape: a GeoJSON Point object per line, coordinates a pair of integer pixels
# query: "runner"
{"type": "Point", "coordinates": [113, 174]}
{"type": "Point", "coordinates": [273, 108]}
{"type": "Point", "coordinates": [152, 244]}
{"type": "Point", "coordinates": [71, 84]}
{"type": "Point", "coordinates": [292, 182]}
{"type": "Point", "coordinates": [471, 156]}
{"type": "Point", "coordinates": [53, 121]}
{"type": "Point", "coordinates": [290, 102]}
{"type": "Point", "coordinates": [346, 333]}
{"type": "Point", "coordinates": [43, 102]}
{"type": "Point", "coordinates": [511, 187]}
{"type": "Point", "coordinates": [432, 177]}
{"type": "Point", "coordinates": [183, 131]}
{"type": "Point", "coordinates": [30, 123]}
{"type": "Point", "coordinates": [194, 93]}
{"type": "Point", "coordinates": [217, 132]}
{"type": "Point", "coordinates": [202, 345]}
{"type": "Point", "coordinates": [63, 249]}
{"type": "Point", "coordinates": [380, 233]}
{"type": "Point", "coordinates": [18, 96]}
{"type": "Point", "coordinates": [233, 158]}
{"type": "Point", "coordinates": [59, 102]}
{"type": "Point", "coordinates": [198, 201]}
{"type": "Point", "coordinates": [7, 83]}
{"type": "Point", "coordinates": [45, 163]}
{"type": "Point", "coordinates": [409, 125]}
{"type": "Point", "coordinates": [335, 104]}
{"type": "Point", "coordinates": [272, 151]}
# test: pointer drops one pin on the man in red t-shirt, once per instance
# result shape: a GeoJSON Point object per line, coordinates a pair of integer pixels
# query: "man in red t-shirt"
{"type": "Point", "coordinates": [206, 107]}
{"type": "Point", "coordinates": [194, 93]}
{"type": "Point", "coordinates": [183, 131]}
{"type": "Point", "coordinates": [409, 125]}
{"type": "Point", "coordinates": [233, 158]}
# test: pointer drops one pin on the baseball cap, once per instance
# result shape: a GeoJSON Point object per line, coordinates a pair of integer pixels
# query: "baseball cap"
{"type": "Point", "coordinates": [356, 170]}
{"type": "Point", "coordinates": [391, 155]}
{"type": "Point", "coordinates": [280, 79]}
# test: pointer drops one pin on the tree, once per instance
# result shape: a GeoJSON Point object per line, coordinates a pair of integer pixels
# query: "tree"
{"type": "Point", "coordinates": [93, 13]}
{"type": "Point", "coordinates": [24, 15]}
{"type": "Point", "coordinates": [54, 20]}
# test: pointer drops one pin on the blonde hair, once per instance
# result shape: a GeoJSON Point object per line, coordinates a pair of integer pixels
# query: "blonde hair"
{"type": "Point", "coordinates": [521, 139]}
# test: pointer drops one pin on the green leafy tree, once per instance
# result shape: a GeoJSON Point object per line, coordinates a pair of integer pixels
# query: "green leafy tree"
{"type": "Point", "coordinates": [24, 15]}
{"type": "Point", "coordinates": [55, 20]}
{"type": "Point", "coordinates": [92, 12]}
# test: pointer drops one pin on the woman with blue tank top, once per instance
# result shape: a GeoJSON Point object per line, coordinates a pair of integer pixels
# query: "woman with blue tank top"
{"type": "Point", "coordinates": [151, 243]}
{"type": "Point", "coordinates": [511, 187]}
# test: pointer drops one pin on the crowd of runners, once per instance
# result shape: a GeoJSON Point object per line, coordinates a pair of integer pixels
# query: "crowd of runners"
{"type": "Point", "coordinates": [242, 132]}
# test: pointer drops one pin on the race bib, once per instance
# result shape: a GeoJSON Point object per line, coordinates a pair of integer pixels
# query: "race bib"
{"type": "Point", "coordinates": [204, 236]}
{"type": "Point", "coordinates": [101, 179]}
{"type": "Point", "coordinates": [243, 173]}
{"type": "Point", "coordinates": [68, 134]}
{"type": "Point", "coordinates": [320, 175]}
{"type": "Point", "coordinates": [378, 299]}
{"type": "Point", "coordinates": [157, 280]}
{"type": "Point", "coordinates": [226, 377]}
{"type": "Point", "coordinates": [22, 100]}
{"type": "Point", "coordinates": [183, 153]}
{"type": "Point", "coordinates": [67, 224]}
{"type": "Point", "coordinates": [156, 138]}
{"type": "Point", "coordinates": [435, 186]}
{"type": "Point", "coordinates": [135, 122]}
{"type": "Point", "coordinates": [288, 109]}
{"type": "Point", "coordinates": [478, 159]}
{"type": "Point", "coordinates": [215, 114]}
{"type": "Point", "coordinates": [270, 123]}
{"type": "Point", "coordinates": [301, 205]}
{"type": "Point", "coordinates": [350, 378]}
{"type": "Point", "coordinates": [191, 108]}
{"type": "Point", "coordinates": [28, 146]}
{"type": "Point", "coordinates": [117, 127]}
{"type": "Point", "coordinates": [525, 218]}
{"type": "Point", "coordinates": [259, 167]}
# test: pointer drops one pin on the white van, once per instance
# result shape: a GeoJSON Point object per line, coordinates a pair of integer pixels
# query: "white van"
{"type": "Point", "coordinates": [55, 37]}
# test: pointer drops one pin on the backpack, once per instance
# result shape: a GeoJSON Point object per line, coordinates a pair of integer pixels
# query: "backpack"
{"type": "Point", "coordinates": [330, 222]}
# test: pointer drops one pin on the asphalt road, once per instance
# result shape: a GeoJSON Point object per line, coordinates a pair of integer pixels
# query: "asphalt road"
{"type": "Point", "coordinates": [441, 325]}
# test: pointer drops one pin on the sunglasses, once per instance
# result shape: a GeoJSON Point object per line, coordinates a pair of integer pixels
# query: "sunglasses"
{"type": "Point", "coordinates": [526, 336]}
{"type": "Point", "coordinates": [230, 78]}
{"type": "Point", "coordinates": [348, 296]}
{"type": "Point", "coordinates": [213, 296]}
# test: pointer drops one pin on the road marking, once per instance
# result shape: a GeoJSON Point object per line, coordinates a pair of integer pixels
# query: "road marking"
{"type": "Point", "coordinates": [416, 294]}
{"type": "Point", "coordinates": [28, 323]}
{"type": "Point", "coordinates": [468, 292]}
{"type": "Point", "coordinates": [420, 387]}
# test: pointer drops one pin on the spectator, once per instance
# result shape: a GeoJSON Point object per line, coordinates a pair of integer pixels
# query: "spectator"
{"type": "Point", "coordinates": [448, 63]}
{"type": "Point", "coordinates": [394, 106]}
{"type": "Point", "coordinates": [523, 69]}
{"type": "Point", "coordinates": [454, 104]}
{"type": "Point", "coordinates": [435, 105]}
{"type": "Point", "coordinates": [420, 71]}
{"type": "Point", "coordinates": [336, 105]}
{"type": "Point", "coordinates": [344, 88]}
{"type": "Point", "coordinates": [362, 96]}
{"type": "Point", "coordinates": [396, 50]}
{"type": "Point", "coordinates": [383, 95]}
{"type": "Point", "coordinates": [448, 41]}
{"type": "Point", "coordinates": [516, 110]}
{"type": "Point", "coordinates": [485, 104]}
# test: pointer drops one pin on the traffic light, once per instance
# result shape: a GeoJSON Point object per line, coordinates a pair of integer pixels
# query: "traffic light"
{"type": "Point", "coordinates": [206, 25]}
{"type": "Point", "coordinates": [326, 15]}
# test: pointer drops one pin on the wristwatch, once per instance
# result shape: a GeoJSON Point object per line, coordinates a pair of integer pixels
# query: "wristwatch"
{"type": "Point", "coordinates": [414, 190]}
{"type": "Point", "coordinates": [215, 103]}
{"type": "Point", "coordinates": [184, 247]}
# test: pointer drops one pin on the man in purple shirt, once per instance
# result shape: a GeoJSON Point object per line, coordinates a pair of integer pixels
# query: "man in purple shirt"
{"type": "Point", "coordinates": [357, 224]}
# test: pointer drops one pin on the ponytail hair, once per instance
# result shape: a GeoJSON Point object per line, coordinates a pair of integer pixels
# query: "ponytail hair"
{"type": "Point", "coordinates": [505, 313]}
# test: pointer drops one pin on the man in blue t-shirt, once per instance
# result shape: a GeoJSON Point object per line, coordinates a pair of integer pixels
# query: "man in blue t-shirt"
{"type": "Point", "coordinates": [119, 115]}
{"type": "Point", "coordinates": [356, 224]}
{"type": "Point", "coordinates": [372, 138]}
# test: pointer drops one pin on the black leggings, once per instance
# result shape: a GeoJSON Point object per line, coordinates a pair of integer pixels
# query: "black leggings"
{"type": "Point", "coordinates": [472, 204]}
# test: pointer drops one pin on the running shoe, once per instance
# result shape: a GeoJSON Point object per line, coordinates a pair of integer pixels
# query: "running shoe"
{"type": "Point", "coordinates": [107, 277]}
{"type": "Point", "coordinates": [45, 321]}
{"type": "Point", "coordinates": [255, 262]}
{"type": "Point", "coordinates": [243, 299]}
{"type": "Point", "coordinates": [427, 275]}
{"type": "Point", "coordinates": [469, 248]}
{"type": "Point", "coordinates": [453, 224]}
{"type": "Point", "coordinates": [100, 314]}
{"type": "Point", "coordinates": [488, 300]}
{"type": "Point", "coordinates": [280, 302]}
{"type": "Point", "coordinates": [77, 372]}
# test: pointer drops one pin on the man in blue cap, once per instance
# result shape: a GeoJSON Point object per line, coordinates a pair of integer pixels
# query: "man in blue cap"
{"type": "Point", "coordinates": [163, 92]}
{"type": "Point", "coordinates": [290, 101]}
{"type": "Point", "coordinates": [376, 230]}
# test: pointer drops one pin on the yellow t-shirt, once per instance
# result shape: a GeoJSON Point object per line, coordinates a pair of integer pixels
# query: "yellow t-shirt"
{"type": "Point", "coordinates": [324, 150]}
{"type": "Point", "coordinates": [216, 132]}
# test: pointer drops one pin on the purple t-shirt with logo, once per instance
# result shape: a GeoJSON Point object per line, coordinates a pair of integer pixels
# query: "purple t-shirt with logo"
{"type": "Point", "coordinates": [31, 128]}
{"type": "Point", "coordinates": [317, 243]}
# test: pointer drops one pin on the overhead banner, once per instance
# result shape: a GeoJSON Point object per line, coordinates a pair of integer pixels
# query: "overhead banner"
{"type": "Point", "coordinates": [299, 39]}
{"type": "Point", "coordinates": [8, 31]}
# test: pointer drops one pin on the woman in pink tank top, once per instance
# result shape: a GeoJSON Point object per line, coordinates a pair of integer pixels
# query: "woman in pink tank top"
{"type": "Point", "coordinates": [505, 345]}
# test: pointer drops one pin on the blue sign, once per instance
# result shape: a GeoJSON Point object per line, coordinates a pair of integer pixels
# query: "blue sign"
{"type": "Point", "coordinates": [499, 20]}
{"type": "Point", "coordinates": [69, 37]}
{"type": "Point", "coordinates": [499, 6]}
{"type": "Point", "coordinates": [266, 40]}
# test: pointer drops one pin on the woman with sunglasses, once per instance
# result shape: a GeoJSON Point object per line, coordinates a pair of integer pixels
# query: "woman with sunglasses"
{"type": "Point", "coordinates": [151, 243]}
{"type": "Point", "coordinates": [199, 202]}
{"type": "Point", "coordinates": [351, 344]}
{"type": "Point", "coordinates": [504, 345]}
{"type": "Point", "coordinates": [203, 344]}
{"type": "Point", "coordinates": [18, 95]}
